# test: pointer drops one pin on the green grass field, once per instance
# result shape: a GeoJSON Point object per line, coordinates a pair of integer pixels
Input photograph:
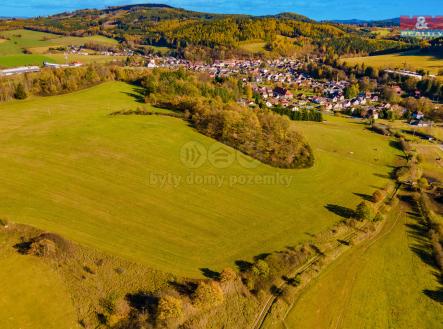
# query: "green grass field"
{"type": "Point", "coordinates": [378, 284]}
{"type": "Point", "coordinates": [33, 296]}
{"type": "Point", "coordinates": [253, 46]}
{"type": "Point", "coordinates": [409, 60]}
{"type": "Point", "coordinates": [11, 49]}
{"type": "Point", "coordinates": [23, 60]}
{"type": "Point", "coordinates": [67, 166]}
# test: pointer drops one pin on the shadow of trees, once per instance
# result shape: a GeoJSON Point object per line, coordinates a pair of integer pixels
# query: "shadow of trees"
{"type": "Point", "coordinates": [210, 274]}
{"type": "Point", "coordinates": [137, 93]}
{"type": "Point", "coordinates": [422, 246]}
{"type": "Point", "coordinates": [23, 247]}
{"type": "Point", "coordinates": [340, 210]}
{"type": "Point", "coordinates": [243, 265]}
{"type": "Point", "coordinates": [184, 288]}
{"type": "Point", "coordinates": [144, 303]}
{"type": "Point", "coordinates": [365, 197]}
{"type": "Point", "coordinates": [395, 144]}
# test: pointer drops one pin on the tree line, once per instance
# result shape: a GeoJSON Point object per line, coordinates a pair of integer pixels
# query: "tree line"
{"type": "Point", "coordinates": [50, 82]}
{"type": "Point", "coordinates": [214, 36]}
{"type": "Point", "coordinates": [299, 115]}
{"type": "Point", "coordinates": [209, 105]}
{"type": "Point", "coordinates": [211, 108]}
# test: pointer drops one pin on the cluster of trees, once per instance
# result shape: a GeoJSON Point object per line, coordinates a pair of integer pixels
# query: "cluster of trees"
{"type": "Point", "coordinates": [53, 82]}
{"type": "Point", "coordinates": [209, 105]}
{"type": "Point", "coordinates": [203, 303]}
{"type": "Point", "coordinates": [375, 209]}
{"type": "Point", "coordinates": [431, 88]}
{"type": "Point", "coordinates": [101, 47]}
{"type": "Point", "coordinates": [412, 174]}
{"type": "Point", "coordinates": [299, 115]}
{"type": "Point", "coordinates": [212, 110]}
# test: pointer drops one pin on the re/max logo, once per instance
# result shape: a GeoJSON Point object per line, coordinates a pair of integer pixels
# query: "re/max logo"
{"type": "Point", "coordinates": [421, 23]}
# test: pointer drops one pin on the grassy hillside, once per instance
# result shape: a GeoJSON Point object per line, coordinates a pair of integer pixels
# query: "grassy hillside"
{"type": "Point", "coordinates": [382, 284]}
{"type": "Point", "coordinates": [14, 43]}
{"type": "Point", "coordinates": [67, 166]}
{"type": "Point", "coordinates": [32, 295]}
{"type": "Point", "coordinates": [409, 60]}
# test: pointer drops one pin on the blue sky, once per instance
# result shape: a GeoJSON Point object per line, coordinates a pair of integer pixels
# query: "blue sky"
{"type": "Point", "coordinates": [317, 9]}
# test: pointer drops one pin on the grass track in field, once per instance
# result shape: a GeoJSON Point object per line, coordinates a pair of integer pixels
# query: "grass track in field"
{"type": "Point", "coordinates": [377, 289]}
{"type": "Point", "coordinates": [67, 166]}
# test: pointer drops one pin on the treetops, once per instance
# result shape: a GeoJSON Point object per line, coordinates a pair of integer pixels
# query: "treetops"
{"type": "Point", "coordinates": [211, 108]}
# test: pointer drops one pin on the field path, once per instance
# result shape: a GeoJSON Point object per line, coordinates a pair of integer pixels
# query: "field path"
{"type": "Point", "coordinates": [266, 308]}
{"type": "Point", "coordinates": [380, 283]}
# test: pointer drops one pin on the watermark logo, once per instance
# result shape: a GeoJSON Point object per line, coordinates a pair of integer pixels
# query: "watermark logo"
{"type": "Point", "coordinates": [194, 154]}
{"type": "Point", "coordinates": [421, 23]}
{"type": "Point", "coordinates": [165, 180]}
{"type": "Point", "coordinates": [421, 26]}
{"type": "Point", "coordinates": [220, 156]}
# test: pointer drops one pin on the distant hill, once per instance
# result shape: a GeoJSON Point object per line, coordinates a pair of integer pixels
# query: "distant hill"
{"type": "Point", "coordinates": [202, 36]}
{"type": "Point", "coordinates": [141, 5]}
{"type": "Point", "coordinates": [293, 16]}
{"type": "Point", "coordinates": [371, 23]}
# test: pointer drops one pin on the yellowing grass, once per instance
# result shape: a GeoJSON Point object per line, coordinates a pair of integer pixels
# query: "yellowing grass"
{"type": "Point", "coordinates": [408, 60]}
{"type": "Point", "coordinates": [32, 293]}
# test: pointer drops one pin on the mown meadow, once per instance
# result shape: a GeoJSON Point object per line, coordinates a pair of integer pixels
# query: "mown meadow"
{"type": "Point", "coordinates": [69, 167]}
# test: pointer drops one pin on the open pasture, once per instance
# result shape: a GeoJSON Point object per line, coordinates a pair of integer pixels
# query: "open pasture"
{"type": "Point", "coordinates": [117, 183]}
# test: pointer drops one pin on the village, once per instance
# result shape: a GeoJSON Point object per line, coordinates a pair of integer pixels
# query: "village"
{"type": "Point", "coordinates": [278, 83]}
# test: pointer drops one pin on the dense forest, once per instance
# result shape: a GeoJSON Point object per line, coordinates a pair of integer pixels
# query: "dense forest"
{"type": "Point", "coordinates": [215, 36]}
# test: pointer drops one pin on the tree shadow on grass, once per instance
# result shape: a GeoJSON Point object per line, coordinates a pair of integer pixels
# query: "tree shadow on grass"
{"type": "Point", "coordinates": [340, 210]}
{"type": "Point", "coordinates": [210, 274]}
{"type": "Point", "coordinates": [262, 256]}
{"type": "Point", "coordinates": [365, 197]}
{"type": "Point", "coordinates": [395, 144]}
{"type": "Point", "coordinates": [436, 295]}
{"type": "Point", "coordinates": [383, 176]}
{"type": "Point", "coordinates": [143, 302]}
{"type": "Point", "coordinates": [243, 265]}
{"type": "Point", "coordinates": [23, 247]}
{"type": "Point", "coordinates": [421, 245]}
{"type": "Point", "coordinates": [418, 230]}
{"type": "Point", "coordinates": [184, 288]}
{"type": "Point", "coordinates": [139, 98]}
